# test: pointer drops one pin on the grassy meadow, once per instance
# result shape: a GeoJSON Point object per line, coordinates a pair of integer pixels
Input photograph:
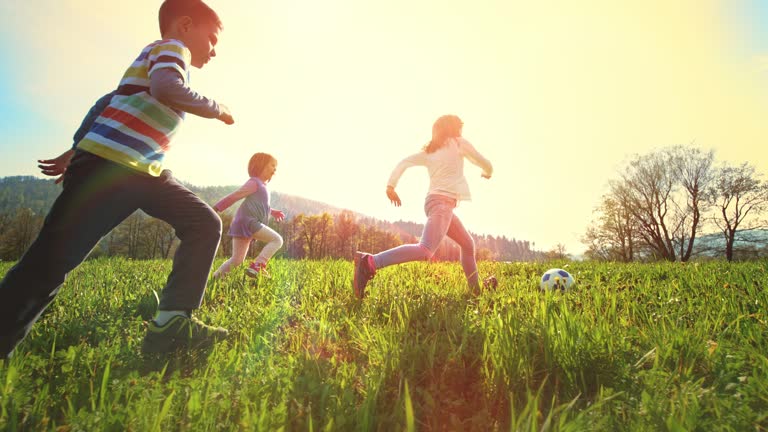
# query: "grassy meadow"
{"type": "Point", "coordinates": [646, 347]}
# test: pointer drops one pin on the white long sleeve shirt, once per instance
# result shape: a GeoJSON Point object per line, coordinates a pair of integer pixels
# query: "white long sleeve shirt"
{"type": "Point", "coordinates": [446, 168]}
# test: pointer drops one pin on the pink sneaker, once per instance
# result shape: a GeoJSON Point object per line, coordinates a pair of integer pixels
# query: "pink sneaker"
{"type": "Point", "coordinates": [365, 269]}
{"type": "Point", "coordinates": [256, 269]}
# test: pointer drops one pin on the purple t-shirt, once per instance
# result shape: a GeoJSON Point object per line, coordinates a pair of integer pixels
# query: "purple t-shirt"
{"type": "Point", "coordinates": [253, 212]}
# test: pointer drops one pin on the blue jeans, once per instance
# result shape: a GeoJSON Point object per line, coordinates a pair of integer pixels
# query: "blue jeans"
{"type": "Point", "coordinates": [440, 222]}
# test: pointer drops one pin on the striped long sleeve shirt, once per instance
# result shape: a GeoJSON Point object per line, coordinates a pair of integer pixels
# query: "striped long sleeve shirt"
{"type": "Point", "coordinates": [136, 128]}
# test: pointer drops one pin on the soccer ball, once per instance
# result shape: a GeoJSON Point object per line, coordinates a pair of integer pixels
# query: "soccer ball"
{"type": "Point", "coordinates": [556, 279]}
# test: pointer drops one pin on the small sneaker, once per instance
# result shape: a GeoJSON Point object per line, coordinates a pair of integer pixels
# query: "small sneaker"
{"type": "Point", "coordinates": [256, 269]}
{"type": "Point", "coordinates": [365, 269]}
{"type": "Point", "coordinates": [181, 332]}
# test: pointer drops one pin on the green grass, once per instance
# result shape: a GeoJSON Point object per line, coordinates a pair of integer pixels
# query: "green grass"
{"type": "Point", "coordinates": [647, 347]}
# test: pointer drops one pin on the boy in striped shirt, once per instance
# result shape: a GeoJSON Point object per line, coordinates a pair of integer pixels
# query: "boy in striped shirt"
{"type": "Point", "coordinates": [116, 169]}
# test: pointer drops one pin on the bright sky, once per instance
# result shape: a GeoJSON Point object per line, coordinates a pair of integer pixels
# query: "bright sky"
{"type": "Point", "coordinates": [557, 94]}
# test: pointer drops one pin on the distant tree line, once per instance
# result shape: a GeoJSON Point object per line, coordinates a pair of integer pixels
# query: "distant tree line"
{"type": "Point", "coordinates": [311, 230]}
{"type": "Point", "coordinates": [676, 204]}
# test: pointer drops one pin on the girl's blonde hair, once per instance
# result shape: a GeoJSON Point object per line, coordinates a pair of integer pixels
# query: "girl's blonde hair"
{"type": "Point", "coordinates": [258, 162]}
{"type": "Point", "coordinates": [445, 127]}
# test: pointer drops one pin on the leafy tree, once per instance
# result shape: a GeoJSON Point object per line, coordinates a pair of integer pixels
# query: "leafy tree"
{"type": "Point", "coordinates": [20, 231]}
{"type": "Point", "coordinates": [315, 232]}
{"type": "Point", "coordinates": [346, 229]}
{"type": "Point", "coordinates": [225, 244]}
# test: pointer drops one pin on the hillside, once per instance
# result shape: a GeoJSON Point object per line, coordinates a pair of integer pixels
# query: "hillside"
{"type": "Point", "coordinates": [27, 192]}
{"type": "Point", "coordinates": [38, 195]}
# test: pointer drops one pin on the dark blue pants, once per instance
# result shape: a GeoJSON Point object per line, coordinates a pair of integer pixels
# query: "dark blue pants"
{"type": "Point", "coordinates": [97, 196]}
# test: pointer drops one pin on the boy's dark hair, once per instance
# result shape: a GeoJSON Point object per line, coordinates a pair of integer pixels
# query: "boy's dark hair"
{"type": "Point", "coordinates": [195, 9]}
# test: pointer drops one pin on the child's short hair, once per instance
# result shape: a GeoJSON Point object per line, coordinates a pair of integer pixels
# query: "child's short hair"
{"type": "Point", "coordinates": [258, 162]}
{"type": "Point", "coordinates": [195, 9]}
{"type": "Point", "coordinates": [445, 127]}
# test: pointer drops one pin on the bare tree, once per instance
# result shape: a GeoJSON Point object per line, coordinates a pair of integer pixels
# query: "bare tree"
{"type": "Point", "coordinates": [315, 232]}
{"type": "Point", "coordinates": [737, 194]}
{"type": "Point", "coordinates": [646, 190]}
{"type": "Point", "coordinates": [664, 191]}
{"type": "Point", "coordinates": [128, 236]}
{"type": "Point", "coordinates": [693, 169]}
{"type": "Point", "coordinates": [558, 252]}
{"type": "Point", "coordinates": [613, 236]}
{"type": "Point", "coordinates": [160, 237]}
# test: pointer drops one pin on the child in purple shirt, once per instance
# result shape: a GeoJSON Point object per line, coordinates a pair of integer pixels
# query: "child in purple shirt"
{"type": "Point", "coordinates": [251, 219]}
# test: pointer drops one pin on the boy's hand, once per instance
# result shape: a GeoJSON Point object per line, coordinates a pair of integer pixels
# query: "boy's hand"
{"type": "Point", "coordinates": [485, 176]}
{"type": "Point", "coordinates": [394, 198]}
{"type": "Point", "coordinates": [278, 215]}
{"type": "Point", "coordinates": [56, 166]}
{"type": "Point", "coordinates": [226, 115]}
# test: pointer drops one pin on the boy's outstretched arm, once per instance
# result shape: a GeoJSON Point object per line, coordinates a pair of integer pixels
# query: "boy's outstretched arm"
{"type": "Point", "coordinates": [167, 86]}
{"type": "Point", "coordinates": [58, 165]}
